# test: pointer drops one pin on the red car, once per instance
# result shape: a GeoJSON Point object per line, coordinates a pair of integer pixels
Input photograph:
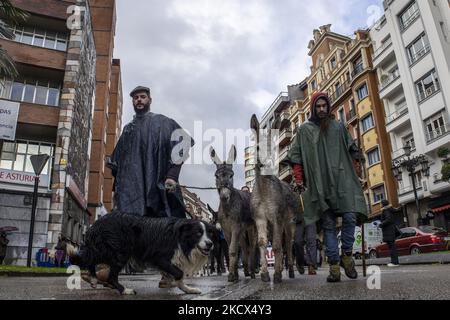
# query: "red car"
{"type": "Point", "coordinates": [412, 241]}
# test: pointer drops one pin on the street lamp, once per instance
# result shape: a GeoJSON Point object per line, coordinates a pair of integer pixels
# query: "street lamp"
{"type": "Point", "coordinates": [38, 163]}
{"type": "Point", "coordinates": [410, 164]}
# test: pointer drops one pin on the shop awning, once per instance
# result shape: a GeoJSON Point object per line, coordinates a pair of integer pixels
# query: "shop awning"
{"type": "Point", "coordinates": [440, 209]}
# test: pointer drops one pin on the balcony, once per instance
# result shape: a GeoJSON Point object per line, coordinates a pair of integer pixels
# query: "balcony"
{"type": "Point", "coordinates": [351, 116]}
{"type": "Point", "coordinates": [438, 133]}
{"type": "Point", "coordinates": [423, 95]}
{"type": "Point", "coordinates": [357, 70]}
{"type": "Point", "coordinates": [389, 84]}
{"type": "Point", "coordinates": [285, 173]}
{"type": "Point", "coordinates": [397, 118]}
{"type": "Point", "coordinates": [285, 115]}
{"type": "Point", "coordinates": [405, 24]}
{"type": "Point", "coordinates": [284, 153]}
{"type": "Point", "coordinates": [401, 152]}
{"type": "Point", "coordinates": [339, 92]}
{"type": "Point", "coordinates": [285, 136]}
{"type": "Point", "coordinates": [384, 55]}
{"type": "Point", "coordinates": [419, 55]}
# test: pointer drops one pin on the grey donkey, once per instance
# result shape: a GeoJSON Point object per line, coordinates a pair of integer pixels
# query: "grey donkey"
{"type": "Point", "coordinates": [273, 202]}
{"type": "Point", "coordinates": [235, 217]}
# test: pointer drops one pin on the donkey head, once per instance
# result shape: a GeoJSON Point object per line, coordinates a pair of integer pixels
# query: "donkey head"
{"type": "Point", "coordinates": [224, 173]}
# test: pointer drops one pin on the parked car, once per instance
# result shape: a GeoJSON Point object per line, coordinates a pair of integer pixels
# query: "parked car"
{"type": "Point", "coordinates": [412, 241]}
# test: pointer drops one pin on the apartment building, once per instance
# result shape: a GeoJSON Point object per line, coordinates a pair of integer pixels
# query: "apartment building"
{"type": "Point", "coordinates": [54, 96]}
{"type": "Point", "coordinates": [412, 58]}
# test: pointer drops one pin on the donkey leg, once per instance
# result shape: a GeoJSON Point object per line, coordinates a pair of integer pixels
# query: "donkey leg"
{"type": "Point", "coordinates": [234, 273]}
{"type": "Point", "coordinates": [278, 252]}
{"type": "Point", "coordinates": [252, 251]}
{"type": "Point", "coordinates": [261, 226]}
{"type": "Point", "coordinates": [290, 230]}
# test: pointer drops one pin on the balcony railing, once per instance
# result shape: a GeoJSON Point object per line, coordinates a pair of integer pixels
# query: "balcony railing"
{"type": "Point", "coordinates": [284, 153]}
{"type": "Point", "coordinates": [381, 49]}
{"type": "Point", "coordinates": [351, 115]}
{"type": "Point", "coordinates": [285, 172]}
{"type": "Point", "coordinates": [285, 115]}
{"type": "Point", "coordinates": [390, 79]}
{"type": "Point", "coordinates": [401, 152]}
{"type": "Point", "coordinates": [414, 58]}
{"type": "Point", "coordinates": [339, 91]}
{"type": "Point", "coordinates": [408, 189]}
{"type": "Point", "coordinates": [405, 25]}
{"type": "Point", "coordinates": [437, 133]}
{"type": "Point", "coordinates": [429, 92]}
{"type": "Point", "coordinates": [397, 114]}
{"type": "Point", "coordinates": [358, 69]}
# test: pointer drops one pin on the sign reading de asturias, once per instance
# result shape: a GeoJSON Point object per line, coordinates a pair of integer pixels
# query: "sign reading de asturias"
{"type": "Point", "coordinates": [9, 113]}
{"type": "Point", "coordinates": [22, 178]}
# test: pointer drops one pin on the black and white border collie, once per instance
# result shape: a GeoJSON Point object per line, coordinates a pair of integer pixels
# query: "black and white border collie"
{"type": "Point", "coordinates": [177, 247]}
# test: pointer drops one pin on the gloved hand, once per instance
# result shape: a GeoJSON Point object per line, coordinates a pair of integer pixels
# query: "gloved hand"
{"type": "Point", "coordinates": [357, 166]}
{"type": "Point", "coordinates": [298, 174]}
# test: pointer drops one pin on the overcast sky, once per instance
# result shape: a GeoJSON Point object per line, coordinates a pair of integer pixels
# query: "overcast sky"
{"type": "Point", "coordinates": [220, 61]}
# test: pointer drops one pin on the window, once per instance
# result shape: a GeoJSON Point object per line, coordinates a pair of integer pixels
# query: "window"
{"type": "Point", "coordinates": [367, 123]}
{"type": "Point", "coordinates": [314, 84]}
{"type": "Point", "coordinates": [32, 91]}
{"type": "Point", "coordinates": [374, 156]}
{"type": "Point", "coordinates": [427, 86]}
{"type": "Point", "coordinates": [379, 194]}
{"type": "Point", "coordinates": [41, 38]}
{"type": "Point", "coordinates": [342, 115]}
{"type": "Point", "coordinates": [333, 63]}
{"type": "Point", "coordinates": [250, 173]}
{"type": "Point", "coordinates": [16, 155]}
{"type": "Point", "coordinates": [418, 48]}
{"type": "Point", "coordinates": [409, 139]}
{"type": "Point", "coordinates": [409, 15]}
{"type": "Point", "coordinates": [436, 127]}
{"type": "Point", "coordinates": [362, 92]}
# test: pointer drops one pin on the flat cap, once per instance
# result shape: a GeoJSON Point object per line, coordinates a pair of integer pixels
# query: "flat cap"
{"type": "Point", "coordinates": [139, 89]}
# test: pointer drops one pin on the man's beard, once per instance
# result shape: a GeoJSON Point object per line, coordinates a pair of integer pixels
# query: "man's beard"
{"type": "Point", "coordinates": [142, 111]}
{"type": "Point", "coordinates": [324, 124]}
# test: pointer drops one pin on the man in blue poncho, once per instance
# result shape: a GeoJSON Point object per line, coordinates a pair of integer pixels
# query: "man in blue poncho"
{"type": "Point", "coordinates": [147, 160]}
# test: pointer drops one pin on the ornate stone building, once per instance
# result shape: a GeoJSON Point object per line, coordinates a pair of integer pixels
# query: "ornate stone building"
{"type": "Point", "coordinates": [55, 96]}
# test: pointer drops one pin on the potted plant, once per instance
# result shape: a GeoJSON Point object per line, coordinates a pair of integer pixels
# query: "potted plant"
{"type": "Point", "coordinates": [443, 153]}
{"type": "Point", "coordinates": [446, 172]}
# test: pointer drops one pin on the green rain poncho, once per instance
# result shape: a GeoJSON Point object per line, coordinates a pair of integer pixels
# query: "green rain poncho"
{"type": "Point", "coordinates": [329, 176]}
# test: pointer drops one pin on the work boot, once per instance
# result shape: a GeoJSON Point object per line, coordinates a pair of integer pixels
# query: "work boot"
{"type": "Point", "coordinates": [300, 269]}
{"type": "Point", "coordinates": [335, 273]}
{"type": "Point", "coordinates": [348, 264]}
{"type": "Point", "coordinates": [312, 271]}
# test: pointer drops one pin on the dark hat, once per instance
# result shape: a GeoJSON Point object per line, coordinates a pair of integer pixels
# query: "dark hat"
{"type": "Point", "coordinates": [140, 89]}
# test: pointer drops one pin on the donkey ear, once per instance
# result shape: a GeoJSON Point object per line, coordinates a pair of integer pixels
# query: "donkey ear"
{"type": "Point", "coordinates": [254, 123]}
{"type": "Point", "coordinates": [232, 155]}
{"type": "Point", "coordinates": [210, 209]}
{"type": "Point", "coordinates": [214, 156]}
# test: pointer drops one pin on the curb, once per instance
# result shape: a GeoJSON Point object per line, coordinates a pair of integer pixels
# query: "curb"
{"type": "Point", "coordinates": [31, 274]}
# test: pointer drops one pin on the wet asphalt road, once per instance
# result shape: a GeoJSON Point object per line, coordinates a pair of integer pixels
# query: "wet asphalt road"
{"type": "Point", "coordinates": [424, 282]}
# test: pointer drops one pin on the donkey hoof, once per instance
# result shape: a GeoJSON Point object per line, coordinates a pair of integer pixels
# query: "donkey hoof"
{"type": "Point", "coordinates": [265, 277]}
{"type": "Point", "coordinates": [233, 277]}
{"type": "Point", "coordinates": [291, 273]}
{"type": "Point", "coordinates": [277, 278]}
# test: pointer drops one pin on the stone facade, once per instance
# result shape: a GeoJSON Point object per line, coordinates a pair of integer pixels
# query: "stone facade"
{"type": "Point", "coordinates": [74, 133]}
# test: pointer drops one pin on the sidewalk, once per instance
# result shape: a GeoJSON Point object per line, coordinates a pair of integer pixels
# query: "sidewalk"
{"type": "Point", "coordinates": [432, 258]}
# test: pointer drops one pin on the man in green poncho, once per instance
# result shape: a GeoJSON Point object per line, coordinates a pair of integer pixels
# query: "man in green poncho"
{"type": "Point", "coordinates": [326, 166]}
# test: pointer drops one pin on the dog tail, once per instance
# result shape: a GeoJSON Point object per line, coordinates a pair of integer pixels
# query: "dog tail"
{"type": "Point", "coordinates": [81, 258]}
